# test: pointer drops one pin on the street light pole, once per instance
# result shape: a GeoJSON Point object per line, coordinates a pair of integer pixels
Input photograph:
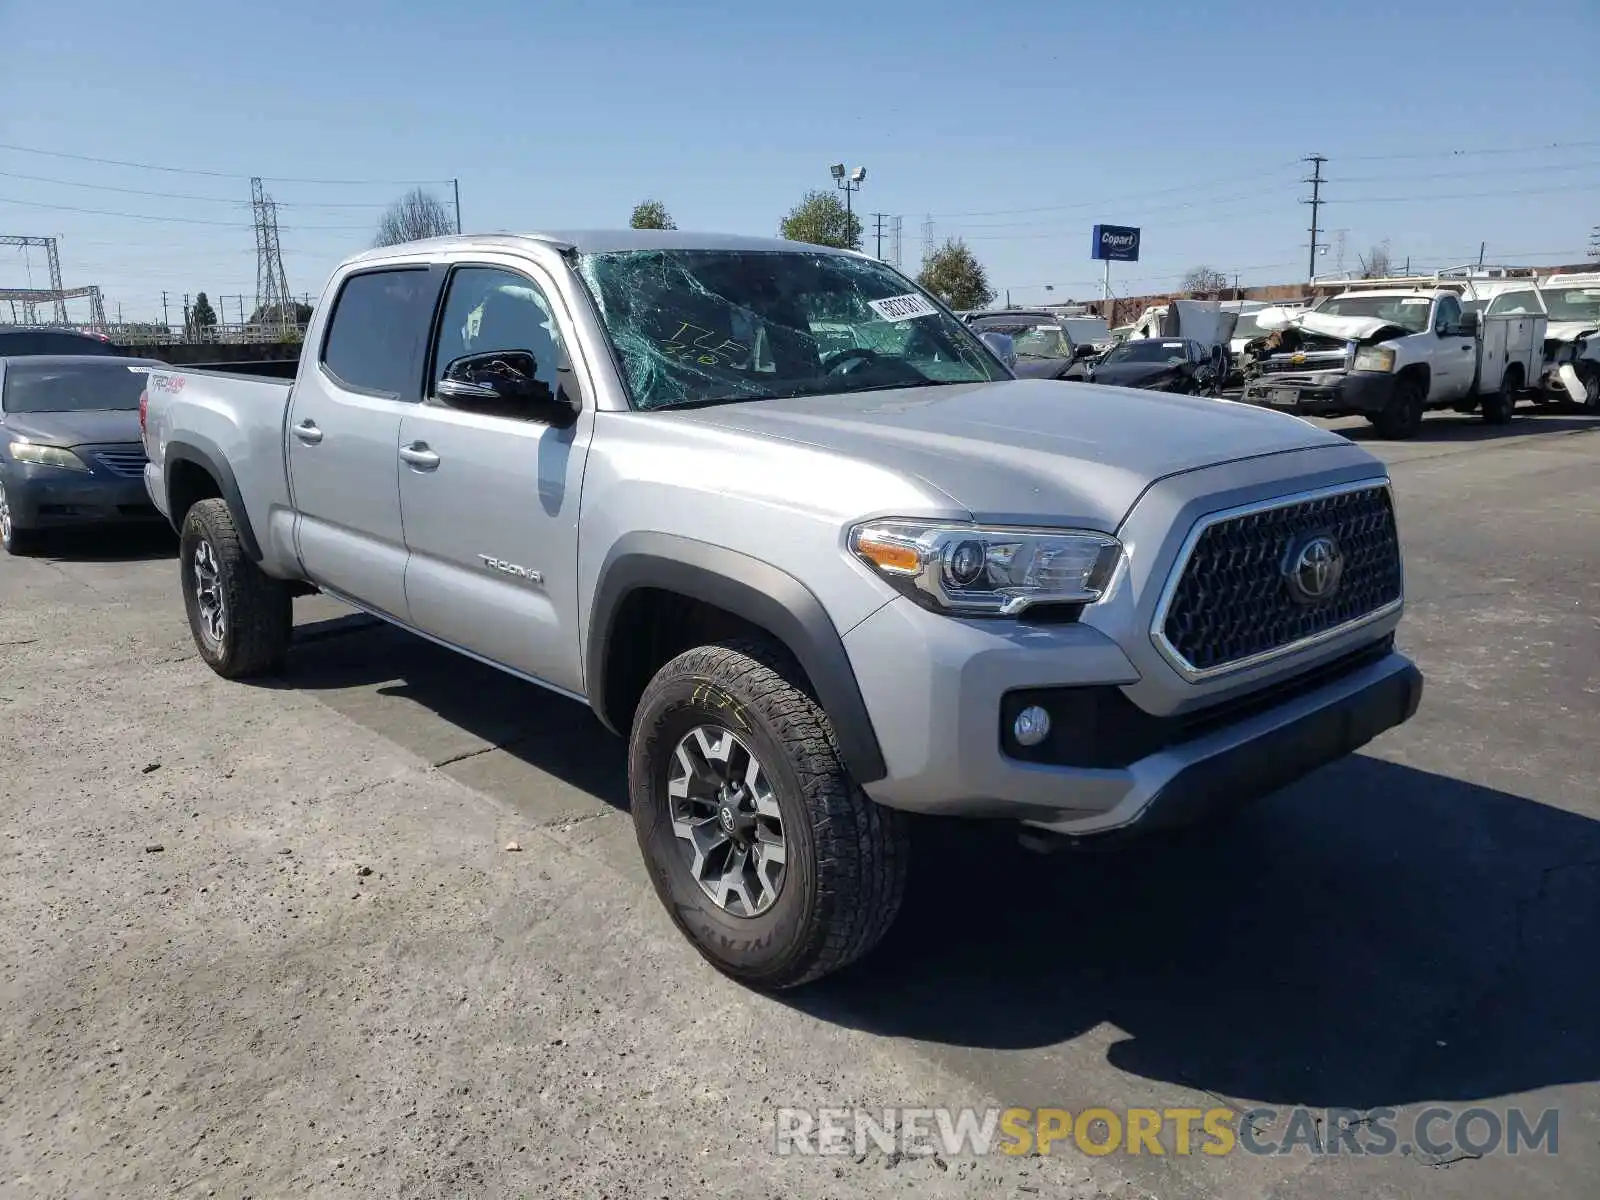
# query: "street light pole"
{"type": "Point", "coordinates": [847, 182]}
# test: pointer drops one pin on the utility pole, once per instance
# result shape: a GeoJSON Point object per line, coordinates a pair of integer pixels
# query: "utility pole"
{"type": "Point", "coordinates": [877, 221]}
{"type": "Point", "coordinates": [166, 321]}
{"type": "Point", "coordinates": [1482, 246]}
{"type": "Point", "coordinates": [186, 316]}
{"type": "Point", "coordinates": [456, 184]}
{"type": "Point", "coordinates": [1316, 181]}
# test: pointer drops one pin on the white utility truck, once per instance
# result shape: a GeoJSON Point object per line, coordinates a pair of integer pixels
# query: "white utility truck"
{"type": "Point", "coordinates": [1390, 349]}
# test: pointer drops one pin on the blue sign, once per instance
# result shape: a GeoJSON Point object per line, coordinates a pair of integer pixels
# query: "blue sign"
{"type": "Point", "coordinates": [1115, 243]}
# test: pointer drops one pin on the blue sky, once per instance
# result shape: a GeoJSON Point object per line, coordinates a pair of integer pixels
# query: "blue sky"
{"type": "Point", "coordinates": [1015, 126]}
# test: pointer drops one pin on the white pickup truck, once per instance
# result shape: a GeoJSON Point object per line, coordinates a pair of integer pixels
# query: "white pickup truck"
{"type": "Point", "coordinates": [1391, 353]}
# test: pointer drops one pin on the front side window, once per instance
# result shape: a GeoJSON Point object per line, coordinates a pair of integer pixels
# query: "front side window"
{"type": "Point", "coordinates": [497, 322]}
{"type": "Point", "coordinates": [696, 327]}
{"type": "Point", "coordinates": [379, 321]}
{"type": "Point", "coordinates": [73, 387]}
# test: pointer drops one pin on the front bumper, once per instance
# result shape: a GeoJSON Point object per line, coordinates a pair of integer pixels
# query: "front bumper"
{"type": "Point", "coordinates": [50, 498]}
{"type": "Point", "coordinates": [1322, 395]}
{"type": "Point", "coordinates": [938, 690]}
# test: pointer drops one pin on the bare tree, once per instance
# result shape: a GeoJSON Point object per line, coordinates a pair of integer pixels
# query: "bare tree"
{"type": "Point", "coordinates": [416, 215]}
{"type": "Point", "coordinates": [1378, 263]}
{"type": "Point", "coordinates": [1204, 279]}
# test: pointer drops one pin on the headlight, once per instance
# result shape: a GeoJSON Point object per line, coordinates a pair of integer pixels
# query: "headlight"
{"type": "Point", "coordinates": [1374, 358]}
{"type": "Point", "coordinates": [47, 456]}
{"type": "Point", "coordinates": [970, 571]}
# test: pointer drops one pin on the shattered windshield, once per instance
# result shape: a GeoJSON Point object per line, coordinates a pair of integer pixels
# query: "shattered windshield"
{"type": "Point", "coordinates": [1573, 304]}
{"type": "Point", "coordinates": [1148, 350]}
{"type": "Point", "coordinates": [719, 326]}
{"type": "Point", "coordinates": [1409, 312]}
{"type": "Point", "coordinates": [1249, 326]}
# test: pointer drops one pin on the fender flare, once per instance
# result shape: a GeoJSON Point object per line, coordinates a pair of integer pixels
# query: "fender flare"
{"type": "Point", "coordinates": [751, 589]}
{"type": "Point", "coordinates": [204, 453]}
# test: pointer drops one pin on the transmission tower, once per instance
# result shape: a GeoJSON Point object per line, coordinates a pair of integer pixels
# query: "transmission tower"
{"type": "Point", "coordinates": [895, 240]}
{"type": "Point", "coordinates": [272, 285]}
{"type": "Point", "coordinates": [1594, 242]}
{"type": "Point", "coordinates": [927, 238]}
{"type": "Point", "coordinates": [48, 245]}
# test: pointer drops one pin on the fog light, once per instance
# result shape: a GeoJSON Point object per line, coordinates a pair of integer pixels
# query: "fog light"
{"type": "Point", "coordinates": [1032, 726]}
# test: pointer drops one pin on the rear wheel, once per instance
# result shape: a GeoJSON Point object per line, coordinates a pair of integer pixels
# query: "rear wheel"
{"type": "Point", "coordinates": [1402, 416]}
{"type": "Point", "coordinates": [16, 541]}
{"type": "Point", "coordinates": [240, 616]}
{"type": "Point", "coordinates": [766, 854]}
{"type": "Point", "coordinates": [1500, 406]}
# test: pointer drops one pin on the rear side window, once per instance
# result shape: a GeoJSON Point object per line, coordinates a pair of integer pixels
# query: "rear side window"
{"type": "Point", "coordinates": [378, 324]}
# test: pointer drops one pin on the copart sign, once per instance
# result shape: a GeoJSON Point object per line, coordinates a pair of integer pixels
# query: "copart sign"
{"type": "Point", "coordinates": [1115, 243]}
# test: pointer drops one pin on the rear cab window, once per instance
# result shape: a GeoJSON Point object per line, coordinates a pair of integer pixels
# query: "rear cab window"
{"type": "Point", "coordinates": [379, 326]}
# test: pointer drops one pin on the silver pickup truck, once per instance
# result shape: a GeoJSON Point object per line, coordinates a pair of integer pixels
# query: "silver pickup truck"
{"type": "Point", "coordinates": [795, 532]}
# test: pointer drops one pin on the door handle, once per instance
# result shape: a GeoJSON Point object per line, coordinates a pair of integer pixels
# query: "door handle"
{"type": "Point", "coordinates": [419, 456]}
{"type": "Point", "coordinates": [308, 432]}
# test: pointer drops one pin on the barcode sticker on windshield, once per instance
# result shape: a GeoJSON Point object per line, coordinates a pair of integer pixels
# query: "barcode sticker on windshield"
{"type": "Point", "coordinates": [902, 308]}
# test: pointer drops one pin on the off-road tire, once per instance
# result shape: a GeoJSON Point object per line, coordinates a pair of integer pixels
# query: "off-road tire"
{"type": "Point", "coordinates": [1500, 406]}
{"type": "Point", "coordinates": [1402, 416]}
{"type": "Point", "coordinates": [846, 857]}
{"type": "Point", "coordinates": [258, 608]}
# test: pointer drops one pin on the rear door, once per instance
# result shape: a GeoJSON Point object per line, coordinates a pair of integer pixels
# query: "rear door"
{"type": "Point", "coordinates": [490, 496]}
{"type": "Point", "coordinates": [344, 434]}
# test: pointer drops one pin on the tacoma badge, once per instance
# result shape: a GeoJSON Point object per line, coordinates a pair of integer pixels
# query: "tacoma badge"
{"type": "Point", "coordinates": [506, 568]}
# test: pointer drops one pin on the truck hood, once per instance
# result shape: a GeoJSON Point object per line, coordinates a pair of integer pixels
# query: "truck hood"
{"type": "Point", "coordinates": [1027, 450]}
{"type": "Point", "coordinates": [90, 428]}
{"type": "Point", "coordinates": [1349, 329]}
{"type": "Point", "coordinates": [1569, 331]}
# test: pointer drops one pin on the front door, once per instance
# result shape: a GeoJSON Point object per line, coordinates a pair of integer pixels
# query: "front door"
{"type": "Point", "coordinates": [1456, 363]}
{"type": "Point", "coordinates": [344, 435]}
{"type": "Point", "coordinates": [490, 494]}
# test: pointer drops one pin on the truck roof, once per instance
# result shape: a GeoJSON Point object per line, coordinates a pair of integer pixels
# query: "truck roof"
{"type": "Point", "coordinates": [599, 241]}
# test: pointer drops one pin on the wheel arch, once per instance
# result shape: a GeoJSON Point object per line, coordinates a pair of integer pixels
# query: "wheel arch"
{"type": "Point", "coordinates": [755, 595]}
{"type": "Point", "coordinates": [194, 469]}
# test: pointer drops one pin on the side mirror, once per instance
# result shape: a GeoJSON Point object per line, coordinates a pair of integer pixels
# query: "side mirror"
{"type": "Point", "coordinates": [1002, 346]}
{"type": "Point", "coordinates": [506, 383]}
{"type": "Point", "coordinates": [1083, 350]}
{"type": "Point", "coordinates": [1469, 324]}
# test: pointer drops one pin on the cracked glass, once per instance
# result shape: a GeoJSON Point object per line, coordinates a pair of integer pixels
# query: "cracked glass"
{"type": "Point", "coordinates": [700, 327]}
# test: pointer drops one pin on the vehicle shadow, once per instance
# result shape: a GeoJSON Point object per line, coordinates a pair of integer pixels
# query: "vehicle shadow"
{"type": "Point", "coordinates": [117, 543]}
{"type": "Point", "coordinates": [1469, 427]}
{"type": "Point", "coordinates": [546, 731]}
{"type": "Point", "coordinates": [1375, 935]}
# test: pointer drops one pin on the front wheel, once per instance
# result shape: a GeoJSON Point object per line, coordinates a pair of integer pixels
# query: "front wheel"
{"type": "Point", "coordinates": [1402, 415]}
{"type": "Point", "coordinates": [16, 541]}
{"type": "Point", "coordinates": [240, 617]}
{"type": "Point", "coordinates": [767, 855]}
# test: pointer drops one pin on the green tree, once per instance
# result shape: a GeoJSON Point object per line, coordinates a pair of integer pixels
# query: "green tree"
{"type": "Point", "coordinates": [954, 274]}
{"type": "Point", "coordinates": [651, 214]}
{"type": "Point", "coordinates": [299, 314]}
{"type": "Point", "coordinates": [202, 320]}
{"type": "Point", "coordinates": [821, 220]}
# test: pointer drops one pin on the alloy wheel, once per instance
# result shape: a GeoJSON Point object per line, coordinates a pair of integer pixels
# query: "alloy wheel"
{"type": "Point", "coordinates": [208, 595]}
{"type": "Point", "coordinates": [727, 821]}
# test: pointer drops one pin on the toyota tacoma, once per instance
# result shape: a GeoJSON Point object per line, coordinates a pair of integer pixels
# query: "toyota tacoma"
{"type": "Point", "coordinates": [817, 583]}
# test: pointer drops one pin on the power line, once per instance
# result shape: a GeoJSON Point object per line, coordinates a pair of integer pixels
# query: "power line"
{"type": "Point", "coordinates": [138, 166]}
{"type": "Point", "coordinates": [1469, 153]}
{"type": "Point", "coordinates": [97, 212]}
{"type": "Point", "coordinates": [1583, 166]}
{"type": "Point", "coordinates": [1187, 187]}
{"type": "Point", "coordinates": [106, 187]}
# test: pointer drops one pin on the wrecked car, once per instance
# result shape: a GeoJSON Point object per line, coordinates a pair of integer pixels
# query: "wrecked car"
{"type": "Point", "coordinates": [1043, 345]}
{"type": "Point", "coordinates": [1158, 365]}
{"type": "Point", "coordinates": [1572, 340]}
{"type": "Point", "coordinates": [1390, 354]}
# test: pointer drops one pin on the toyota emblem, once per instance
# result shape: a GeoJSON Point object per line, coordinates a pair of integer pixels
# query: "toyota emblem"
{"type": "Point", "coordinates": [1313, 569]}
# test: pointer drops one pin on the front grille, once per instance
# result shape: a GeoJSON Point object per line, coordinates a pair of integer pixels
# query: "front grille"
{"type": "Point", "coordinates": [1233, 602]}
{"type": "Point", "coordinates": [127, 462]}
{"type": "Point", "coordinates": [1280, 366]}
